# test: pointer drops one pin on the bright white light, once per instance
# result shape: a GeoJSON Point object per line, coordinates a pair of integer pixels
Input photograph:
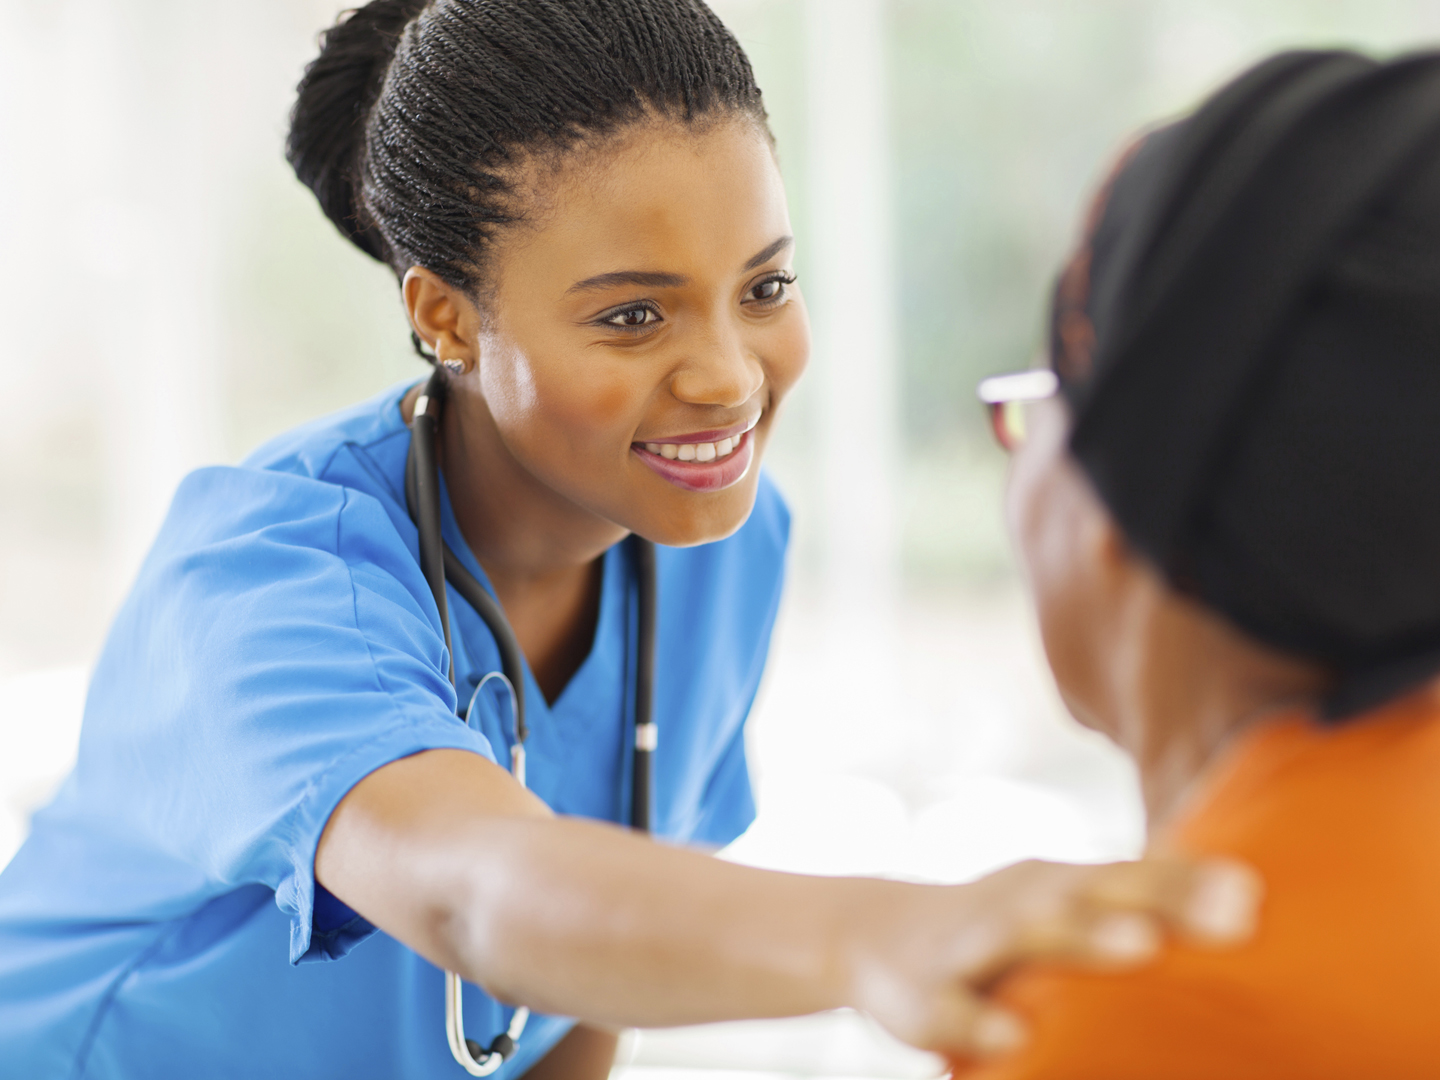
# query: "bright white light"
{"type": "Point", "coordinates": [39, 731]}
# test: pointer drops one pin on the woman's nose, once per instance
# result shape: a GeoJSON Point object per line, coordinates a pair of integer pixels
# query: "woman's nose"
{"type": "Point", "coordinates": [721, 371]}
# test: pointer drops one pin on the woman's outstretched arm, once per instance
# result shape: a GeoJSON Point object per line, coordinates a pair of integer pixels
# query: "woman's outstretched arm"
{"type": "Point", "coordinates": [447, 853]}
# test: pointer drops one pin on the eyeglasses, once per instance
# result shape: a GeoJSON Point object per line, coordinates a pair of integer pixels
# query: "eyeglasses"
{"type": "Point", "coordinates": [1005, 398]}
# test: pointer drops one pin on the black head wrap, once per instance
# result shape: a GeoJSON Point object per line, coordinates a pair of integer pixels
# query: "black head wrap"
{"type": "Point", "coordinates": [1249, 340]}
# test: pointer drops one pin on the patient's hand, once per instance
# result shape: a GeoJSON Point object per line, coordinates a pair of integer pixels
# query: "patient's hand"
{"type": "Point", "coordinates": [929, 989]}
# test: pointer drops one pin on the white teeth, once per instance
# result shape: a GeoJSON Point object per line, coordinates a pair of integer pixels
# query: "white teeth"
{"type": "Point", "coordinates": [704, 452]}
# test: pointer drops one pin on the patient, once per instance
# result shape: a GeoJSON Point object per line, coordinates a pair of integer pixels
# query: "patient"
{"type": "Point", "coordinates": [1230, 521]}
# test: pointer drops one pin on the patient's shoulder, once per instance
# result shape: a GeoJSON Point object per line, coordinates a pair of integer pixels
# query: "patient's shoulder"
{"type": "Point", "coordinates": [1343, 822]}
{"type": "Point", "coordinates": [1304, 800]}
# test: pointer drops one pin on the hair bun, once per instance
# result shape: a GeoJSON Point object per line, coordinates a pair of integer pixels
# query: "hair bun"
{"type": "Point", "coordinates": [335, 95]}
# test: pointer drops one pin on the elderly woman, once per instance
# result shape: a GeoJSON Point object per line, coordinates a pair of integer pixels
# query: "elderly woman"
{"type": "Point", "coordinates": [1230, 520]}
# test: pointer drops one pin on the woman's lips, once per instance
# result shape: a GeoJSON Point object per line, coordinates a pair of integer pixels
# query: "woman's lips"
{"type": "Point", "coordinates": [701, 466]}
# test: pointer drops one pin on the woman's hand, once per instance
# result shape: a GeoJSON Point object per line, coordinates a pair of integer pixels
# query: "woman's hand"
{"type": "Point", "coordinates": [923, 969]}
{"type": "Point", "coordinates": [445, 852]}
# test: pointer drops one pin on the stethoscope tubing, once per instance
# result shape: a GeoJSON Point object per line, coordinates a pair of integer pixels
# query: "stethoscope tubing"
{"type": "Point", "coordinates": [439, 564]}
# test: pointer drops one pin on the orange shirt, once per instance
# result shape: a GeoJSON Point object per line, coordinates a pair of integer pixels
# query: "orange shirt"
{"type": "Point", "coordinates": [1343, 978]}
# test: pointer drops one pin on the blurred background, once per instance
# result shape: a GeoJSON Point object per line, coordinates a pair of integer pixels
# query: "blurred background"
{"type": "Point", "coordinates": [170, 297]}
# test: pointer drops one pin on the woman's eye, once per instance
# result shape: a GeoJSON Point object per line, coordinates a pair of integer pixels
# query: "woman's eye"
{"type": "Point", "coordinates": [771, 290]}
{"type": "Point", "coordinates": [630, 318]}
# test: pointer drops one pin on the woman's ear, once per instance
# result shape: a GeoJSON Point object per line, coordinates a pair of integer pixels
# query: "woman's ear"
{"type": "Point", "coordinates": [1111, 548]}
{"type": "Point", "coordinates": [444, 317]}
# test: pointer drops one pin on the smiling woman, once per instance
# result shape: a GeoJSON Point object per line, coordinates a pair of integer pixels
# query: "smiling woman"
{"type": "Point", "coordinates": [614, 321]}
{"type": "Point", "coordinates": [611, 321]}
{"type": "Point", "coordinates": [299, 797]}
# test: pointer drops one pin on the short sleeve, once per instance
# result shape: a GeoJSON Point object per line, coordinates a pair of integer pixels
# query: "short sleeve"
{"type": "Point", "coordinates": [279, 646]}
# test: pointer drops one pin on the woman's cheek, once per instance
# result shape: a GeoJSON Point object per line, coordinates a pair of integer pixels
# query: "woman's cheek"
{"type": "Point", "coordinates": [573, 420]}
{"type": "Point", "coordinates": [607, 407]}
{"type": "Point", "coordinates": [790, 353]}
{"type": "Point", "coordinates": [1048, 527]}
{"type": "Point", "coordinates": [511, 388]}
{"type": "Point", "coordinates": [1029, 513]}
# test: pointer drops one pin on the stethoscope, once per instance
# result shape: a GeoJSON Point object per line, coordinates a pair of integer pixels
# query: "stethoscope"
{"type": "Point", "coordinates": [439, 564]}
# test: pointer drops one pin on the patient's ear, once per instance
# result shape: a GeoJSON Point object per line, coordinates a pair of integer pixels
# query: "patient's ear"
{"type": "Point", "coordinates": [1103, 552]}
{"type": "Point", "coordinates": [1111, 547]}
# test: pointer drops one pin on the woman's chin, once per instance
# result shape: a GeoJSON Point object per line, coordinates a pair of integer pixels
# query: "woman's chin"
{"type": "Point", "coordinates": [1089, 717]}
{"type": "Point", "coordinates": [694, 518]}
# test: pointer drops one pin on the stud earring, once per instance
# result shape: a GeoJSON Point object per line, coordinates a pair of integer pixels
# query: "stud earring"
{"type": "Point", "coordinates": [454, 367]}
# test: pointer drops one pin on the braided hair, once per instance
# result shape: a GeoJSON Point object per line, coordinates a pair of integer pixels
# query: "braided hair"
{"type": "Point", "coordinates": [409, 124]}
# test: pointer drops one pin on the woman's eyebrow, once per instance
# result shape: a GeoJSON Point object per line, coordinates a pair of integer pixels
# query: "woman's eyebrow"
{"type": "Point", "coordinates": [656, 279]}
{"type": "Point", "coordinates": [653, 279]}
{"type": "Point", "coordinates": [769, 253]}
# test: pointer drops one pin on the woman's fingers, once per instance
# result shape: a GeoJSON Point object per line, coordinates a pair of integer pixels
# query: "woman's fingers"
{"type": "Point", "coordinates": [995, 1032]}
{"type": "Point", "coordinates": [1116, 916]}
{"type": "Point", "coordinates": [1214, 901]}
{"type": "Point", "coordinates": [1110, 940]}
{"type": "Point", "coordinates": [928, 969]}
{"type": "Point", "coordinates": [959, 1024]}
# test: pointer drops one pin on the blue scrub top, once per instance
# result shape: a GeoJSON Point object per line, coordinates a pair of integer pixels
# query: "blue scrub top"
{"type": "Point", "coordinates": [163, 919]}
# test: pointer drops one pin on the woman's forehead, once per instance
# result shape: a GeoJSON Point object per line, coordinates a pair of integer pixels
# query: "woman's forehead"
{"type": "Point", "coordinates": [665, 199]}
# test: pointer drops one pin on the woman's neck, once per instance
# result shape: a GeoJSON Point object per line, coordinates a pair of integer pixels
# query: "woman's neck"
{"type": "Point", "coordinates": [541, 552]}
{"type": "Point", "coordinates": [1176, 756]}
{"type": "Point", "coordinates": [1193, 683]}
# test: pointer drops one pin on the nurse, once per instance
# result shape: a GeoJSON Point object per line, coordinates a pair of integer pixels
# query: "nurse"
{"type": "Point", "coordinates": [279, 832]}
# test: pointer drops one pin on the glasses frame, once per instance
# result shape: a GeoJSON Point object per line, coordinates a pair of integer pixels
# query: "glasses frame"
{"type": "Point", "coordinates": [1003, 396]}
